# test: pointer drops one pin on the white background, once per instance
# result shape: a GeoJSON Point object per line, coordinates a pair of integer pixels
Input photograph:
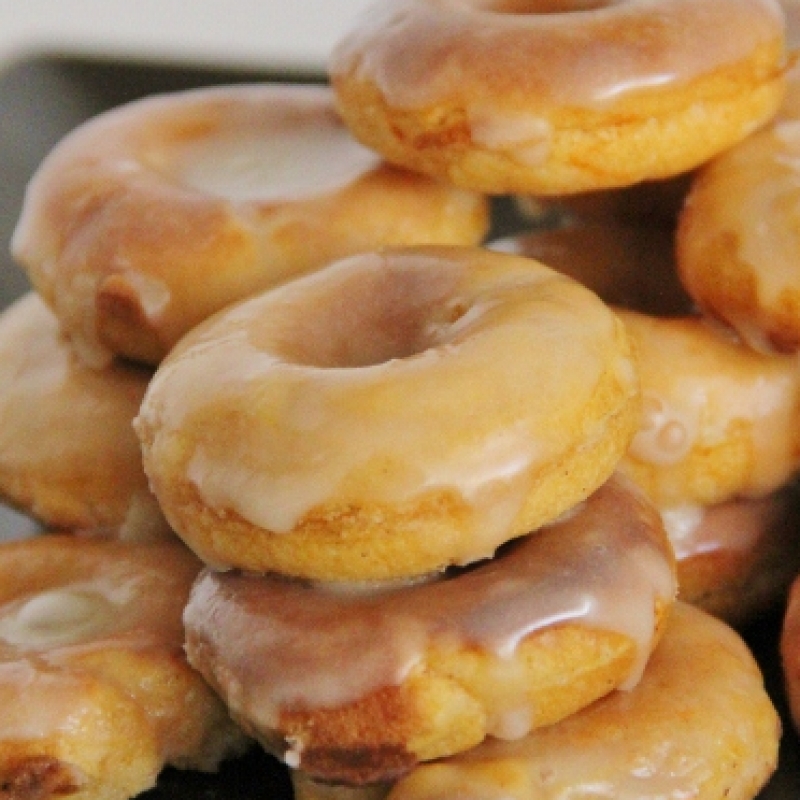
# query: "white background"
{"type": "Point", "coordinates": [279, 34]}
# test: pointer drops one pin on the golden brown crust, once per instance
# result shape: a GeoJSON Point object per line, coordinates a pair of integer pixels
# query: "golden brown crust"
{"type": "Point", "coordinates": [699, 724]}
{"type": "Point", "coordinates": [737, 239]}
{"type": "Point", "coordinates": [388, 733]}
{"type": "Point", "coordinates": [68, 453]}
{"type": "Point", "coordinates": [413, 672]}
{"type": "Point", "coordinates": [558, 436]}
{"type": "Point", "coordinates": [497, 130]}
{"type": "Point", "coordinates": [132, 249]}
{"type": "Point", "coordinates": [342, 542]}
{"type": "Point", "coordinates": [96, 693]}
{"type": "Point", "coordinates": [39, 778]}
{"type": "Point", "coordinates": [708, 434]}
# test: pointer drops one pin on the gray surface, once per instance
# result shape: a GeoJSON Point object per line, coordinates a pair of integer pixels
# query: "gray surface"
{"type": "Point", "coordinates": [39, 102]}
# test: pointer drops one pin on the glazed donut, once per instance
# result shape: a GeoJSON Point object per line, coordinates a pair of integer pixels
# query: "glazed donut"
{"type": "Point", "coordinates": [699, 725]}
{"type": "Point", "coordinates": [558, 97]}
{"type": "Point", "coordinates": [719, 420]}
{"type": "Point", "coordinates": [68, 453]}
{"type": "Point", "coordinates": [148, 218]}
{"type": "Point", "coordinates": [96, 694]}
{"type": "Point", "coordinates": [404, 674]}
{"type": "Point", "coordinates": [737, 559]}
{"type": "Point", "coordinates": [389, 415]}
{"type": "Point", "coordinates": [739, 238]}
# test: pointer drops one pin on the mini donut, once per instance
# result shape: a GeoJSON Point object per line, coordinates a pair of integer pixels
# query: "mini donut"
{"type": "Point", "coordinates": [400, 674]}
{"type": "Point", "coordinates": [96, 693]}
{"type": "Point", "coordinates": [699, 725]}
{"type": "Point", "coordinates": [720, 421]}
{"type": "Point", "coordinates": [736, 559]}
{"type": "Point", "coordinates": [388, 416]}
{"type": "Point", "coordinates": [148, 218]}
{"type": "Point", "coordinates": [552, 98]}
{"type": "Point", "coordinates": [68, 453]}
{"type": "Point", "coordinates": [739, 239]}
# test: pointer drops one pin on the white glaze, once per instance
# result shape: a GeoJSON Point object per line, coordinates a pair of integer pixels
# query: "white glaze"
{"type": "Point", "coordinates": [669, 739]}
{"type": "Point", "coordinates": [421, 54]}
{"type": "Point", "coordinates": [702, 391]}
{"type": "Point", "coordinates": [368, 383]}
{"type": "Point", "coordinates": [736, 526]}
{"type": "Point", "coordinates": [700, 386]}
{"type": "Point", "coordinates": [150, 217]}
{"type": "Point", "coordinates": [56, 618]}
{"type": "Point", "coordinates": [296, 159]}
{"type": "Point", "coordinates": [603, 566]}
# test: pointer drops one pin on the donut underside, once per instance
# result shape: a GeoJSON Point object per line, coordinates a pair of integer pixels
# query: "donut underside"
{"type": "Point", "coordinates": [651, 136]}
{"type": "Point", "coordinates": [340, 541]}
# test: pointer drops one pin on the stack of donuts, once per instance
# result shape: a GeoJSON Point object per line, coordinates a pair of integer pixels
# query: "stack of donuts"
{"type": "Point", "coordinates": [425, 512]}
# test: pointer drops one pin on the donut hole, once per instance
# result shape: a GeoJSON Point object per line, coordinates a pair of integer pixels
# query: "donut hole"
{"type": "Point", "coordinates": [371, 316]}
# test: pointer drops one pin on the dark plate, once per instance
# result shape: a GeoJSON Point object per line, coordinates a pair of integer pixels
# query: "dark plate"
{"type": "Point", "coordinates": [40, 100]}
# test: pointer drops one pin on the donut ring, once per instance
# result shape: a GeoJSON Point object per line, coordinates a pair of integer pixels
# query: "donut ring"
{"type": "Point", "coordinates": [148, 218]}
{"type": "Point", "coordinates": [96, 694]}
{"type": "Point", "coordinates": [699, 725]}
{"type": "Point", "coordinates": [739, 239]}
{"type": "Point", "coordinates": [388, 416]}
{"type": "Point", "coordinates": [68, 453]}
{"type": "Point", "coordinates": [534, 96]}
{"type": "Point", "coordinates": [720, 421]}
{"type": "Point", "coordinates": [517, 642]}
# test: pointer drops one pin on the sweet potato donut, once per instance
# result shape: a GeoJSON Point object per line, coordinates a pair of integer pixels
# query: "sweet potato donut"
{"type": "Point", "coordinates": [739, 238]}
{"type": "Point", "coordinates": [719, 420]}
{"type": "Point", "coordinates": [558, 96]}
{"type": "Point", "coordinates": [148, 218]}
{"type": "Point", "coordinates": [95, 691]}
{"type": "Point", "coordinates": [68, 453]}
{"type": "Point", "coordinates": [398, 675]}
{"type": "Point", "coordinates": [390, 415]}
{"type": "Point", "coordinates": [699, 725]}
{"type": "Point", "coordinates": [737, 559]}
